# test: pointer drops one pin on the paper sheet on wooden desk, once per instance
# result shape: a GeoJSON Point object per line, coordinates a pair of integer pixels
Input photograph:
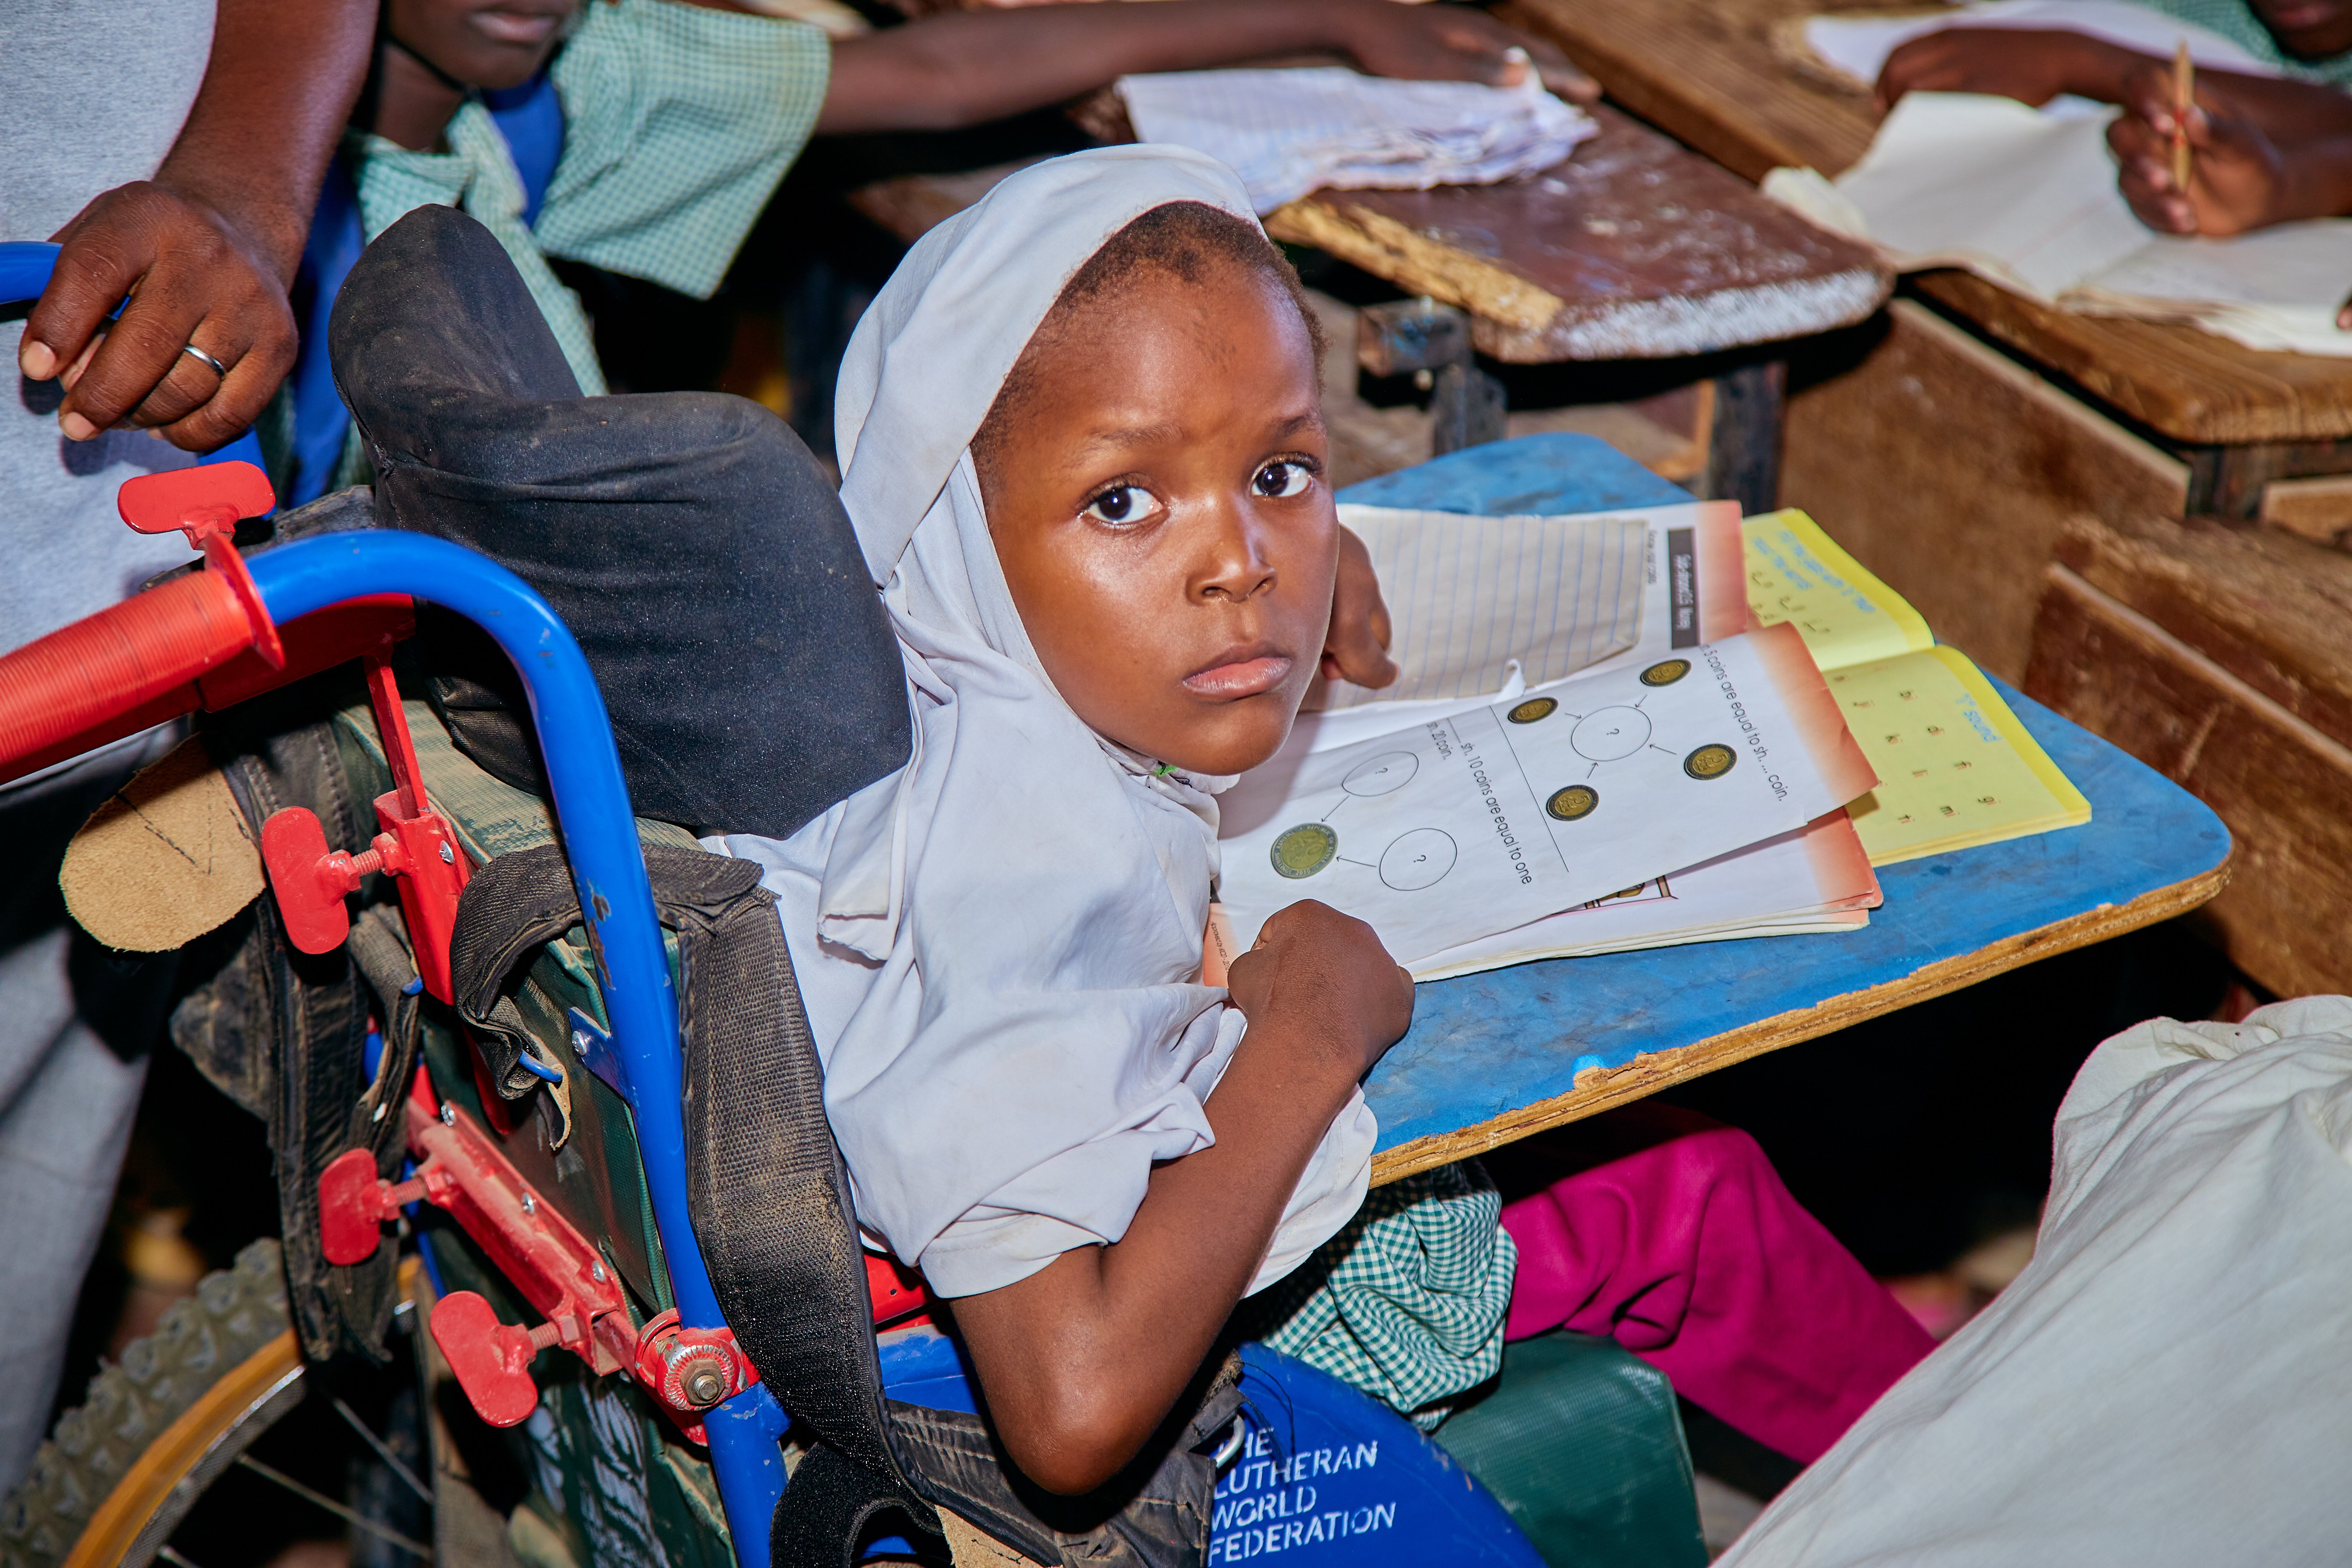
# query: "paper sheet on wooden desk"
{"type": "Point", "coordinates": [2030, 201]}
{"type": "Point", "coordinates": [1287, 132]}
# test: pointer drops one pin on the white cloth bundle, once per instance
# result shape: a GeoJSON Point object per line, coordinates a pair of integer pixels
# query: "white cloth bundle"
{"type": "Point", "coordinates": [1287, 133]}
{"type": "Point", "coordinates": [2166, 1383]}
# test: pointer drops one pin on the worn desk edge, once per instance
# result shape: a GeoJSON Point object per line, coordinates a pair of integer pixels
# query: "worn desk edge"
{"type": "Point", "coordinates": [1600, 1089]}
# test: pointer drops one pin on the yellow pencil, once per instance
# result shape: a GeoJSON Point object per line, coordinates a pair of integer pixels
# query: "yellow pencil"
{"type": "Point", "coordinates": [2184, 95]}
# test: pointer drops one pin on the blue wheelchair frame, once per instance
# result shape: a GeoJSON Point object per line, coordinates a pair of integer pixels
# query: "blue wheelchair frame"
{"type": "Point", "coordinates": [1297, 1418]}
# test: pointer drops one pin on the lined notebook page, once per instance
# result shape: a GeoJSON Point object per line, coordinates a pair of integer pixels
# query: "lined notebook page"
{"type": "Point", "coordinates": [1469, 595]}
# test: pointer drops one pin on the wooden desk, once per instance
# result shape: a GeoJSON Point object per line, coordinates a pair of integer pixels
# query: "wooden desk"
{"type": "Point", "coordinates": [1706, 71]}
{"type": "Point", "coordinates": [1632, 249]}
{"type": "Point", "coordinates": [1496, 1056]}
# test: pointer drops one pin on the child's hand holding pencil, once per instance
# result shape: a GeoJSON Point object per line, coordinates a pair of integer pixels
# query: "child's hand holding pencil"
{"type": "Point", "coordinates": [2190, 162]}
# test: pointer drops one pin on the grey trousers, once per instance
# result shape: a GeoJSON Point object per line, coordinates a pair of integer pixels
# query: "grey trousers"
{"type": "Point", "coordinates": [76, 1024]}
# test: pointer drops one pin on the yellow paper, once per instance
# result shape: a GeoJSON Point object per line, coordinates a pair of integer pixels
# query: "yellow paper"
{"type": "Point", "coordinates": [1956, 768]}
{"type": "Point", "coordinates": [1796, 572]}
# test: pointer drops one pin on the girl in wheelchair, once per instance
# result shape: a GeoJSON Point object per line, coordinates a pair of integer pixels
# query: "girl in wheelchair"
{"type": "Point", "coordinates": [1083, 458]}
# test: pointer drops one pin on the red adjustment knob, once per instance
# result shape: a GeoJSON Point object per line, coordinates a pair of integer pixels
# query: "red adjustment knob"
{"type": "Point", "coordinates": [312, 880]}
{"type": "Point", "coordinates": [492, 1360]}
{"type": "Point", "coordinates": [351, 1209]}
{"type": "Point", "coordinates": [199, 502]}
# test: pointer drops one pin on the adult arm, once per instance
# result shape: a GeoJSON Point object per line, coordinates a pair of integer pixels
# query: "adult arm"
{"type": "Point", "coordinates": [207, 249]}
{"type": "Point", "coordinates": [1083, 1360]}
{"type": "Point", "coordinates": [959, 69]}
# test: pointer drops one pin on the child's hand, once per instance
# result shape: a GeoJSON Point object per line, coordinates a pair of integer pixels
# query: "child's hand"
{"type": "Point", "coordinates": [1356, 649]}
{"type": "Point", "coordinates": [2029, 65]}
{"type": "Point", "coordinates": [2238, 179]}
{"type": "Point", "coordinates": [1453, 43]}
{"type": "Point", "coordinates": [1321, 980]}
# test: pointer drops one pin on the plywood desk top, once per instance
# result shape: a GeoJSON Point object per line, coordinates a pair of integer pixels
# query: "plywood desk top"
{"type": "Point", "coordinates": [1634, 248]}
{"type": "Point", "coordinates": [1707, 72]}
{"type": "Point", "coordinates": [1496, 1056]}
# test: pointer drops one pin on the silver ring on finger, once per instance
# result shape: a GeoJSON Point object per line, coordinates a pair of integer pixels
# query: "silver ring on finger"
{"type": "Point", "coordinates": [205, 360]}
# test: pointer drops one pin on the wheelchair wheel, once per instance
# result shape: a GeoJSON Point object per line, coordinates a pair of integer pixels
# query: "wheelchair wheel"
{"type": "Point", "coordinates": [120, 1471]}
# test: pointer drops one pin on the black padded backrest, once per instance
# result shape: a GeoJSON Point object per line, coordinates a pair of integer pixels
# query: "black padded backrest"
{"type": "Point", "coordinates": [689, 541]}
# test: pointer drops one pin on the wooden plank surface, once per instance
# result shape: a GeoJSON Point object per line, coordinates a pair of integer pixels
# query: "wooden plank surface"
{"type": "Point", "coordinates": [2281, 784]}
{"type": "Point", "coordinates": [1498, 1055]}
{"type": "Point", "coordinates": [1951, 471]}
{"type": "Point", "coordinates": [1632, 249]}
{"type": "Point", "coordinates": [1708, 71]}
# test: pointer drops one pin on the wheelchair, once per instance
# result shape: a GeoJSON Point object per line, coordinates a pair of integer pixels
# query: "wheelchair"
{"type": "Point", "coordinates": [563, 1118]}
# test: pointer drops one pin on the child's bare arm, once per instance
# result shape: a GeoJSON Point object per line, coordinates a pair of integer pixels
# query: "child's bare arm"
{"type": "Point", "coordinates": [965, 67]}
{"type": "Point", "coordinates": [1357, 647]}
{"type": "Point", "coordinates": [1081, 1361]}
{"type": "Point", "coordinates": [2032, 65]}
{"type": "Point", "coordinates": [2243, 175]}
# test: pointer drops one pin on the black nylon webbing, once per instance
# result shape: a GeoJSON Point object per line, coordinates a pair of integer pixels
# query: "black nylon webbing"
{"type": "Point", "coordinates": [765, 1183]}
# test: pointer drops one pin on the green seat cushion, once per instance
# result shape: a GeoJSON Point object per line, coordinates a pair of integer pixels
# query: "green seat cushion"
{"type": "Point", "coordinates": [1581, 1441]}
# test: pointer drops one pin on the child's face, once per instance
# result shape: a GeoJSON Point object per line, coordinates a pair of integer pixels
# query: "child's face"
{"type": "Point", "coordinates": [489, 44]}
{"type": "Point", "coordinates": [1158, 505]}
{"type": "Point", "coordinates": [2308, 29]}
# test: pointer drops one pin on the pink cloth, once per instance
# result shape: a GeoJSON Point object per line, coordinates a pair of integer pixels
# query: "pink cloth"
{"type": "Point", "coordinates": [1681, 1243]}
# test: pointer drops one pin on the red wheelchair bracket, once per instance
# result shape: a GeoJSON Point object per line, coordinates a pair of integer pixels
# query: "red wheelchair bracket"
{"type": "Point", "coordinates": [549, 1263]}
{"type": "Point", "coordinates": [898, 1293]}
{"type": "Point", "coordinates": [492, 1360]}
{"type": "Point", "coordinates": [417, 848]}
{"type": "Point", "coordinates": [201, 502]}
{"type": "Point", "coordinates": [690, 1370]}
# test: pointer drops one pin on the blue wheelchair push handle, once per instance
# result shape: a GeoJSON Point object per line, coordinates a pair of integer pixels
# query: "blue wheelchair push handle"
{"type": "Point", "coordinates": [26, 266]}
{"type": "Point", "coordinates": [591, 801]}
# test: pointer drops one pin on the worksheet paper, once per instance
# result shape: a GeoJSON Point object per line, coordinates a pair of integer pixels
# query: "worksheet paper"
{"type": "Point", "coordinates": [1460, 828]}
{"type": "Point", "coordinates": [1480, 605]}
{"type": "Point", "coordinates": [2030, 201]}
{"type": "Point", "coordinates": [1287, 132]}
{"type": "Point", "coordinates": [1816, 880]}
{"type": "Point", "coordinates": [1470, 596]}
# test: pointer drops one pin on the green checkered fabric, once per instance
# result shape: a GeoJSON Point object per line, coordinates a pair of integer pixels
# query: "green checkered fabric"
{"type": "Point", "coordinates": [2236, 21]}
{"type": "Point", "coordinates": [476, 173]}
{"type": "Point", "coordinates": [1407, 1301]}
{"type": "Point", "coordinates": [679, 123]}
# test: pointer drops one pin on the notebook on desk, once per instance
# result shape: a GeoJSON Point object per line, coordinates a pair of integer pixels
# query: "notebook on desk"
{"type": "Point", "coordinates": [1956, 769]}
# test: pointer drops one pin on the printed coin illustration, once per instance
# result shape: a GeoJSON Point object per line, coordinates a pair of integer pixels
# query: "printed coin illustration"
{"type": "Point", "coordinates": [1575, 802]}
{"type": "Point", "coordinates": [1710, 762]}
{"type": "Point", "coordinates": [1611, 733]}
{"type": "Point", "coordinates": [1417, 860]}
{"type": "Point", "coordinates": [1303, 850]}
{"type": "Point", "coordinates": [1533, 709]}
{"type": "Point", "coordinates": [1666, 672]}
{"type": "Point", "coordinates": [1389, 770]}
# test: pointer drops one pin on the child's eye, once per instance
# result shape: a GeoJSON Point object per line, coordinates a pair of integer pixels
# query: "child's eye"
{"type": "Point", "coordinates": [1283, 478]}
{"type": "Point", "coordinates": [1121, 503]}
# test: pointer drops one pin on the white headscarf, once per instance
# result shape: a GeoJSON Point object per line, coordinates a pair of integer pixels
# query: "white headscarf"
{"type": "Point", "coordinates": [1000, 945]}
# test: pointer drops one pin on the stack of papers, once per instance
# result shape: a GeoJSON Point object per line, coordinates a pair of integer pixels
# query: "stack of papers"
{"type": "Point", "coordinates": [1287, 132]}
{"type": "Point", "coordinates": [1776, 722]}
{"type": "Point", "coordinates": [2029, 199]}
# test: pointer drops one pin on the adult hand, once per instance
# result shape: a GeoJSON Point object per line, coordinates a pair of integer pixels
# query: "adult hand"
{"type": "Point", "coordinates": [1356, 649]}
{"type": "Point", "coordinates": [1453, 43]}
{"type": "Point", "coordinates": [194, 277]}
{"type": "Point", "coordinates": [2238, 179]}
{"type": "Point", "coordinates": [2029, 65]}
{"type": "Point", "coordinates": [1321, 981]}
